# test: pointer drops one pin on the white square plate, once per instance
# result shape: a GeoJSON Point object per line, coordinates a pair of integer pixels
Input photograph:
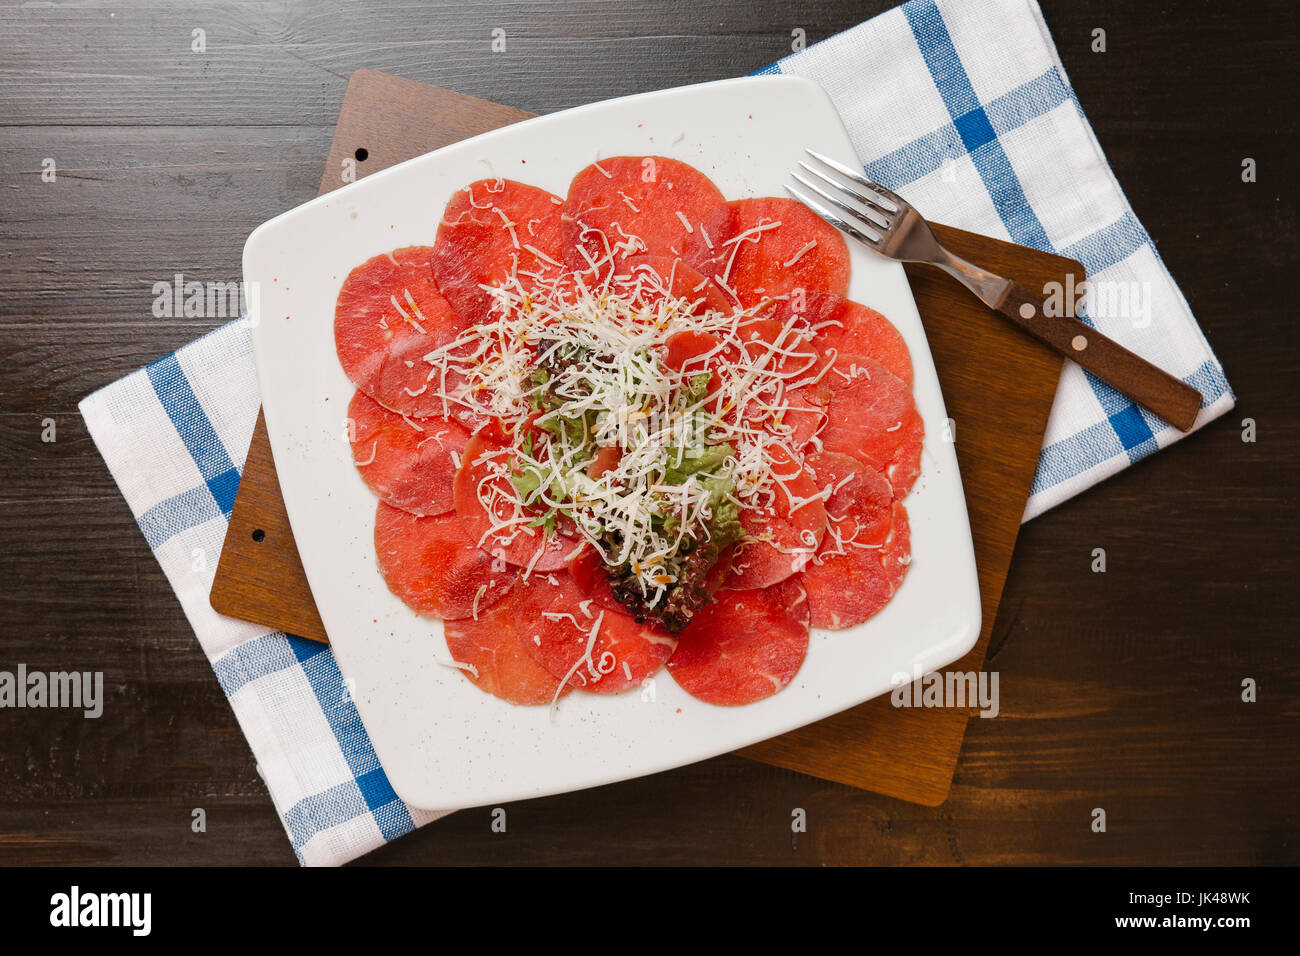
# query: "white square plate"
{"type": "Point", "coordinates": [442, 741]}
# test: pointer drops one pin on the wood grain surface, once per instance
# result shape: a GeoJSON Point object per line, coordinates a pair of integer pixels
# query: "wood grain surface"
{"type": "Point", "coordinates": [906, 754]}
{"type": "Point", "coordinates": [1119, 690]}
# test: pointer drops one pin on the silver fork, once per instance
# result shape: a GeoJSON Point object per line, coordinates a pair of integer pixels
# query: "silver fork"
{"type": "Point", "coordinates": [886, 223]}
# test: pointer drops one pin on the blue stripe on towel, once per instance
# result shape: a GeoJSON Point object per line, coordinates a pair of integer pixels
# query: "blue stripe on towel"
{"type": "Point", "coordinates": [195, 430]}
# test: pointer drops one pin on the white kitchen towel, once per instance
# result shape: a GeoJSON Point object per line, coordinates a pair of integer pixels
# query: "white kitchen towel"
{"type": "Point", "coordinates": [963, 107]}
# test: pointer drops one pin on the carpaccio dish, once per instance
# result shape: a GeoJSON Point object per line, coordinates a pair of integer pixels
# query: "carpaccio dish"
{"type": "Point", "coordinates": [637, 427]}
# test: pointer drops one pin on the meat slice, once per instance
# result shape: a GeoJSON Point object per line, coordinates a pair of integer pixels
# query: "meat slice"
{"type": "Point", "coordinates": [872, 417]}
{"type": "Point", "coordinates": [745, 647]}
{"type": "Point", "coordinates": [409, 463]}
{"type": "Point", "coordinates": [629, 205]}
{"type": "Point", "coordinates": [431, 564]}
{"type": "Point", "coordinates": [853, 329]}
{"type": "Point", "coordinates": [490, 654]}
{"type": "Point", "coordinates": [575, 638]}
{"type": "Point", "coordinates": [486, 504]}
{"type": "Point", "coordinates": [389, 315]}
{"type": "Point", "coordinates": [779, 251]}
{"type": "Point", "coordinates": [854, 584]}
{"type": "Point", "coordinates": [783, 535]}
{"type": "Point", "coordinates": [491, 230]}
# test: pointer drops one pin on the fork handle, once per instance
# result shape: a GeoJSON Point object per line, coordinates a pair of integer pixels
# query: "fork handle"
{"type": "Point", "coordinates": [1173, 400]}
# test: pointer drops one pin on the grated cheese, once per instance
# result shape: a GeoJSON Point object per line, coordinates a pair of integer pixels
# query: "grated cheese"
{"type": "Point", "coordinates": [619, 320]}
{"type": "Point", "coordinates": [374, 448]}
{"type": "Point", "coordinates": [800, 254]}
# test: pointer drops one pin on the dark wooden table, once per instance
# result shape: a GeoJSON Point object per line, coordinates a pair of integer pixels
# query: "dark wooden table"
{"type": "Point", "coordinates": [1119, 690]}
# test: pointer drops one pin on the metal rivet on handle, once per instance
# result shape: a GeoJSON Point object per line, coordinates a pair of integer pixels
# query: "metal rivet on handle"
{"type": "Point", "coordinates": [1027, 310]}
{"type": "Point", "coordinates": [1079, 343]}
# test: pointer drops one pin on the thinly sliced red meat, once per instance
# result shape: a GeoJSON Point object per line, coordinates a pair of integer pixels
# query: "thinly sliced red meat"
{"type": "Point", "coordinates": [811, 309]}
{"type": "Point", "coordinates": [490, 230]}
{"type": "Point", "coordinates": [872, 417]}
{"type": "Point", "coordinates": [409, 463]}
{"type": "Point", "coordinates": [744, 647]}
{"type": "Point", "coordinates": [459, 402]}
{"type": "Point", "coordinates": [846, 589]}
{"type": "Point", "coordinates": [787, 350]}
{"type": "Point", "coordinates": [695, 353]}
{"type": "Point", "coordinates": [483, 483]}
{"type": "Point", "coordinates": [604, 461]}
{"type": "Point", "coordinates": [860, 504]}
{"type": "Point", "coordinates": [781, 536]}
{"type": "Point", "coordinates": [794, 357]}
{"type": "Point", "coordinates": [664, 276]}
{"type": "Point", "coordinates": [778, 263]}
{"type": "Point", "coordinates": [557, 620]}
{"type": "Point", "coordinates": [589, 576]}
{"type": "Point", "coordinates": [626, 205]}
{"type": "Point", "coordinates": [501, 664]}
{"type": "Point", "coordinates": [431, 564]}
{"type": "Point", "coordinates": [806, 391]}
{"type": "Point", "coordinates": [388, 316]}
{"type": "Point", "coordinates": [692, 351]}
{"type": "Point", "coordinates": [804, 417]}
{"type": "Point", "coordinates": [854, 329]}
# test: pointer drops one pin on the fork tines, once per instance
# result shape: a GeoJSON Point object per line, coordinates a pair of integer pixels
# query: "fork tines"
{"type": "Point", "coordinates": [867, 217]}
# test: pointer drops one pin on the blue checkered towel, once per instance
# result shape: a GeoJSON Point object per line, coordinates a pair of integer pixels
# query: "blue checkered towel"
{"type": "Point", "coordinates": [963, 107]}
{"type": "Point", "coordinates": [174, 436]}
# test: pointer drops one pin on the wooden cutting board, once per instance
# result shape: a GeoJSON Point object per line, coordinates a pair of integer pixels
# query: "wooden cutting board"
{"type": "Point", "coordinates": [998, 387]}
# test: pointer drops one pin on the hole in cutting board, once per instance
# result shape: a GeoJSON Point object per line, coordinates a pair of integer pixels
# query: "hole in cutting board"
{"type": "Point", "coordinates": [362, 154]}
{"type": "Point", "coordinates": [259, 535]}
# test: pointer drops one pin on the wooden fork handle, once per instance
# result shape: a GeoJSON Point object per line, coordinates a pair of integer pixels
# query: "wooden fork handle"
{"type": "Point", "coordinates": [1173, 400]}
